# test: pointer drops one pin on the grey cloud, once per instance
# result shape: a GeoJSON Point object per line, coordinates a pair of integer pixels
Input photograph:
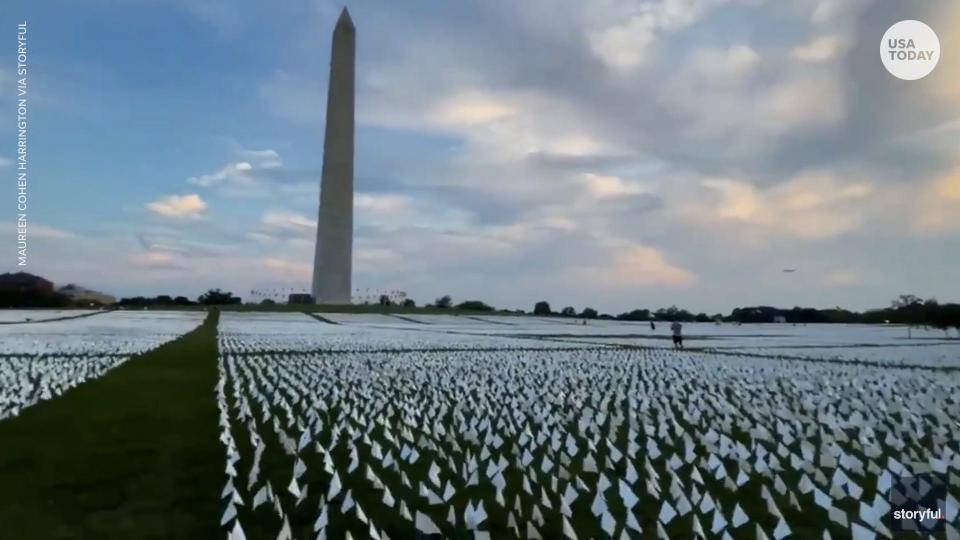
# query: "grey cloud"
{"type": "Point", "coordinates": [578, 163]}
{"type": "Point", "coordinates": [489, 207]}
{"type": "Point", "coordinates": [551, 57]}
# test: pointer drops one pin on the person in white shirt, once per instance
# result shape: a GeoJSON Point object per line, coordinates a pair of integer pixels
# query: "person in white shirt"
{"type": "Point", "coordinates": [677, 329]}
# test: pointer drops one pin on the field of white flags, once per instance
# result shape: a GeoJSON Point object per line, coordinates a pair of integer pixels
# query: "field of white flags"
{"type": "Point", "coordinates": [376, 426]}
{"type": "Point", "coordinates": [30, 315]}
{"type": "Point", "coordinates": [43, 359]}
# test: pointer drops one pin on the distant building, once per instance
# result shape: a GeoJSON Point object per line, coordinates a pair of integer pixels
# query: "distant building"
{"type": "Point", "coordinates": [300, 298]}
{"type": "Point", "coordinates": [83, 295]}
{"type": "Point", "coordinates": [24, 283]}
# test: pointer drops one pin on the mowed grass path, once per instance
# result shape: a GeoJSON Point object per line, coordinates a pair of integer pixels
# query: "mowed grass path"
{"type": "Point", "coordinates": [133, 454]}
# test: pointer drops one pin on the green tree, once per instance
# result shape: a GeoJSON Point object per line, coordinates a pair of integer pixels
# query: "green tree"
{"type": "Point", "coordinates": [542, 308]}
{"type": "Point", "coordinates": [673, 313]}
{"type": "Point", "coordinates": [217, 297]}
{"type": "Point", "coordinates": [589, 313]}
{"type": "Point", "coordinates": [568, 311]}
{"type": "Point", "coordinates": [905, 300]}
{"type": "Point", "coordinates": [946, 316]}
{"type": "Point", "coordinates": [444, 302]}
{"type": "Point", "coordinates": [635, 315]}
{"type": "Point", "coordinates": [474, 305]}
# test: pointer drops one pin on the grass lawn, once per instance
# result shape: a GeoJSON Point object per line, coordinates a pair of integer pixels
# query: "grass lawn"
{"type": "Point", "coordinates": [133, 454]}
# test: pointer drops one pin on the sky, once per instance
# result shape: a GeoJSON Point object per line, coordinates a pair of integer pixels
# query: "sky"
{"type": "Point", "coordinates": [613, 154]}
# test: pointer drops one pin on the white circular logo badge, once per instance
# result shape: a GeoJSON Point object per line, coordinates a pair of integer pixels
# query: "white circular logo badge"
{"type": "Point", "coordinates": [910, 50]}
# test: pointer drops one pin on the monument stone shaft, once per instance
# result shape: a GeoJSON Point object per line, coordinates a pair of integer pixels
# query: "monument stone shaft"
{"type": "Point", "coordinates": [332, 263]}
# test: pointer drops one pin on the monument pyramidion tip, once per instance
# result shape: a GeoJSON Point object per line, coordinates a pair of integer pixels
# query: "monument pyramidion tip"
{"type": "Point", "coordinates": [344, 21]}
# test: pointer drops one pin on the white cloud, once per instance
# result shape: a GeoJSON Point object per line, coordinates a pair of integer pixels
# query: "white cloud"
{"type": "Point", "coordinates": [233, 173]}
{"type": "Point", "coordinates": [241, 177]}
{"type": "Point", "coordinates": [285, 270]}
{"type": "Point", "coordinates": [810, 206]}
{"type": "Point", "coordinates": [633, 266]}
{"type": "Point", "coordinates": [725, 67]}
{"type": "Point", "coordinates": [281, 220]}
{"type": "Point", "coordinates": [385, 204]}
{"type": "Point", "coordinates": [35, 230]}
{"type": "Point", "coordinates": [625, 47]}
{"type": "Point", "coordinates": [829, 10]}
{"type": "Point", "coordinates": [42, 231]}
{"type": "Point", "coordinates": [820, 49]}
{"type": "Point", "coordinates": [627, 44]}
{"type": "Point", "coordinates": [947, 87]}
{"type": "Point", "coordinates": [496, 126]}
{"type": "Point", "coordinates": [608, 186]}
{"type": "Point", "coordinates": [263, 159]}
{"type": "Point", "coordinates": [179, 206]}
{"type": "Point", "coordinates": [395, 211]}
{"type": "Point", "coordinates": [155, 259]}
{"type": "Point", "coordinates": [471, 108]}
{"type": "Point", "coordinates": [740, 103]}
{"type": "Point", "coordinates": [259, 236]}
{"type": "Point", "coordinates": [802, 100]}
{"type": "Point", "coordinates": [739, 200]}
{"type": "Point", "coordinates": [542, 124]}
{"type": "Point", "coordinates": [937, 205]}
{"type": "Point", "coordinates": [288, 220]}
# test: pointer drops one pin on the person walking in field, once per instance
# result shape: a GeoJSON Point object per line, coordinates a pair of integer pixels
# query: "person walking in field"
{"type": "Point", "coordinates": [677, 329]}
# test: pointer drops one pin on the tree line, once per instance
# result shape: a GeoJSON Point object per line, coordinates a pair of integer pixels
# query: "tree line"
{"type": "Point", "coordinates": [444, 302]}
{"type": "Point", "coordinates": [213, 297]}
{"type": "Point", "coordinates": [905, 309]}
{"type": "Point", "coordinates": [33, 299]}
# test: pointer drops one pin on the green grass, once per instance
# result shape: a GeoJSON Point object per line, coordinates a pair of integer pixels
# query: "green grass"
{"type": "Point", "coordinates": [133, 454]}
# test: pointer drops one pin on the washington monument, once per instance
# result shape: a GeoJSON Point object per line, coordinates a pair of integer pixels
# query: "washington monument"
{"type": "Point", "coordinates": [332, 261]}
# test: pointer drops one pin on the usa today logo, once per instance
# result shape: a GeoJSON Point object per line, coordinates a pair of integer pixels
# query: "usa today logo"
{"type": "Point", "coordinates": [910, 50]}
